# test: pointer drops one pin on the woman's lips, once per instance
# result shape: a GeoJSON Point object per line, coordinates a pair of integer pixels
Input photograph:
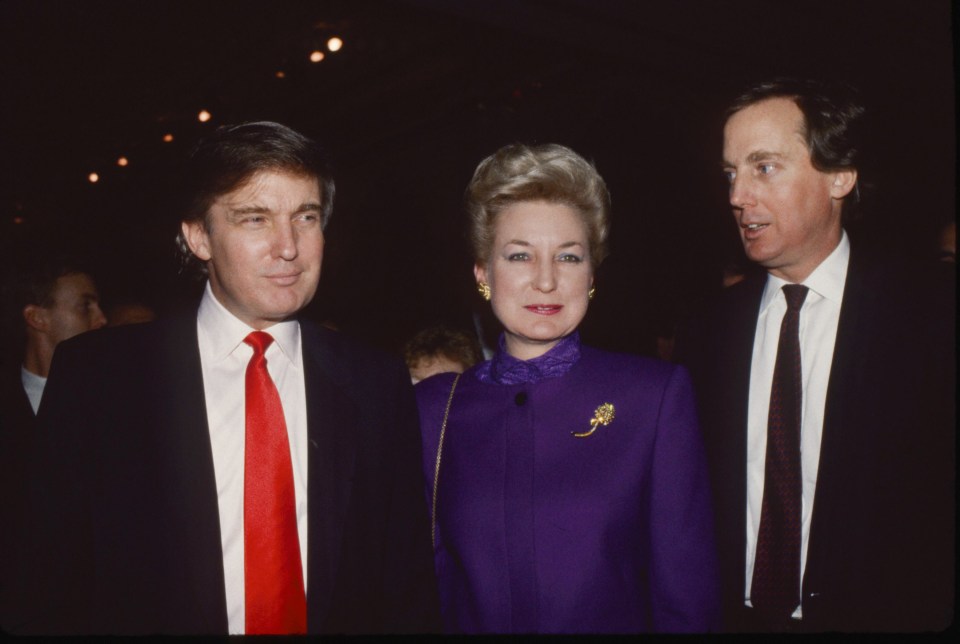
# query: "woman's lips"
{"type": "Point", "coordinates": [544, 309]}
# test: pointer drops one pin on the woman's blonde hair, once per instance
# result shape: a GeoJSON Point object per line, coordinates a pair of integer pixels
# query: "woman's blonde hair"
{"type": "Point", "coordinates": [553, 173]}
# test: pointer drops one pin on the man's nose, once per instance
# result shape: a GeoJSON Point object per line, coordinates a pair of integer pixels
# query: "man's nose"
{"type": "Point", "coordinates": [285, 241]}
{"type": "Point", "coordinates": [99, 319]}
{"type": "Point", "coordinates": [741, 192]}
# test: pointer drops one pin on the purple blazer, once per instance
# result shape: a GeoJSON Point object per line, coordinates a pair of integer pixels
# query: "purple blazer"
{"type": "Point", "coordinates": [538, 530]}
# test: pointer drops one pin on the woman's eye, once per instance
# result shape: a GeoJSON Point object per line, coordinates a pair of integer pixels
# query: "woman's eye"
{"type": "Point", "coordinates": [518, 257]}
{"type": "Point", "coordinates": [573, 259]}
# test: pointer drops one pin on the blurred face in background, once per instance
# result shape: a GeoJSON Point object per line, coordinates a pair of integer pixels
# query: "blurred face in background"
{"type": "Point", "coordinates": [432, 365]}
{"type": "Point", "coordinates": [75, 308]}
{"type": "Point", "coordinates": [540, 273]}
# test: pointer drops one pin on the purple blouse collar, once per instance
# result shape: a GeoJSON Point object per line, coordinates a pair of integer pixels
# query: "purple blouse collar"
{"type": "Point", "coordinates": [504, 369]}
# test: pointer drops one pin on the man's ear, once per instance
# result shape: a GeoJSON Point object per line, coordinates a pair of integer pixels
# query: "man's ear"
{"type": "Point", "coordinates": [843, 183]}
{"type": "Point", "coordinates": [197, 238]}
{"type": "Point", "coordinates": [36, 317]}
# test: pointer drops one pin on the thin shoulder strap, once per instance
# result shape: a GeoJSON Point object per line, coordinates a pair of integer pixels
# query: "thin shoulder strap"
{"type": "Point", "coordinates": [436, 469]}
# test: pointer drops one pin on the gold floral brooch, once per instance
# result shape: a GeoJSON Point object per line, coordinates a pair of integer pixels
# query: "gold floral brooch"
{"type": "Point", "coordinates": [603, 415]}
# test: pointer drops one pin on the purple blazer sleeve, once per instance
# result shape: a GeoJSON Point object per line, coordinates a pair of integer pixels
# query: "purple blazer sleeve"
{"type": "Point", "coordinates": [684, 586]}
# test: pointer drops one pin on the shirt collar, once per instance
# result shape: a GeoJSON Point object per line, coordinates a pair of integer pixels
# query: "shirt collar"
{"type": "Point", "coordinates": [504, 369]}
{"type": "Point", "coordinates": [826, 280]}
{"type": "Point", "coordinates": [222, 332]}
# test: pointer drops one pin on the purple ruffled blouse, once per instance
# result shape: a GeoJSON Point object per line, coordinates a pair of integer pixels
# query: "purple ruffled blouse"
{"type": "Point", "coordinates": [504, 369]}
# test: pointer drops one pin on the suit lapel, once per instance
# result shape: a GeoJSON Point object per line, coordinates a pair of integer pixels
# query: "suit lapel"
{"type": "Point", "coordinates": [739, 357]}
{"type": "Point", "coordinates": [190, 496]}
{"type": "Point", "coordinates": [333, 446]}
{"type": "Point", "coordinates": [839, 444]}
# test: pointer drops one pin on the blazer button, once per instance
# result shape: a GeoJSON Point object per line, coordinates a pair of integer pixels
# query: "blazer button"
{"type": "Point", "coordinates": [521, 399]}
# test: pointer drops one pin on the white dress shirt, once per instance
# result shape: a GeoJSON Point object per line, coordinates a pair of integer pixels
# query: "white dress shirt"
{"type": "Point", "coordinates": [33, 385]}
{"type": "Point", "coordinates": [224, 357]}
{"type": "Point", "coordinates": [819, 317]}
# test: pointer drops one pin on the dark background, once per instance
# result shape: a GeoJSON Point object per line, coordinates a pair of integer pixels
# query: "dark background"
{"type": "Point", "coordinates": [424, 89]}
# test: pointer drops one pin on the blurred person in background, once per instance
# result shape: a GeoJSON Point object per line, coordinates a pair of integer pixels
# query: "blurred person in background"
{"type": "Point", "coordinates": [439, 349]}
{"type": "Point", "coordinates": [44, 304]}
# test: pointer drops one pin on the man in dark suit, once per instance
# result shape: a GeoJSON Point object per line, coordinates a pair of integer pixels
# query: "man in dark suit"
{"type": "Point", "coordinates": [44, 303]}
{"type": "Point", "coordinates": [236, 470]}
{"type": "Point", "coordinates": [833, 493]}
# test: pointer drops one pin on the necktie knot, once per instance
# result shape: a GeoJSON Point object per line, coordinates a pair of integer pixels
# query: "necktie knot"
{"type": "Point", "coordinates": [259, 340]}
{"type": "Point", "coordinates": [795, 294]}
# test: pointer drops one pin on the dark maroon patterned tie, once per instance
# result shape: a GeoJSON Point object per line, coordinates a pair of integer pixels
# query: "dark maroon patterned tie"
{"type": "Point", "coordinates": [775, 589]}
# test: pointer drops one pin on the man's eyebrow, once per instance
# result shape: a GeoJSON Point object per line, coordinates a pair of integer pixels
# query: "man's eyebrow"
{"type": "Point", "coordinates": [259, 210]}
{"type": "Point", "coordinates": [247, 210]}
{"type": "Point", "coordinates": [755, 157]}
{"type": "Point", "coordinates": [763, 155]}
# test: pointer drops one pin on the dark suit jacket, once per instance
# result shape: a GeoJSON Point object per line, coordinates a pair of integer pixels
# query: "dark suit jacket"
{"type": "Point", "coordinates": [18, 435]}
{"type": "Point", "coordinates": [131, 537]}
{"type": "Point", "coordinates": [880, 555]}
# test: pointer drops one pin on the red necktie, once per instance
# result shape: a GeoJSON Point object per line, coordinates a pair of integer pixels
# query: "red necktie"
{"type": "Point", "coordinates": [275, 598]}
{"type": "Point", "coordinates": [775, 588]}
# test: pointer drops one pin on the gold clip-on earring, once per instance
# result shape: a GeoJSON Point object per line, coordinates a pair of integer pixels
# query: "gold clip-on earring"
{"type": "Point", "coordinates": [484, 289]}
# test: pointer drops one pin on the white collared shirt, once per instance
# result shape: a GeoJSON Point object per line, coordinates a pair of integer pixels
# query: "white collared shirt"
{"type": "Point", "coordinates": [224, 357]}
{"type": "Point", "coordinates": [33, 385]}
{"type": "Point", "coordinates": [819, 318]}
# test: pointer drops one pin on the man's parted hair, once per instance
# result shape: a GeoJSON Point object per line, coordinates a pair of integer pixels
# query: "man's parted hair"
{"type": "Point", "coordinates": [832, 120]}
{"type": "Point", "coordinates": [230, 156]}
{"type": "Point", "coordinates": [553, 173]}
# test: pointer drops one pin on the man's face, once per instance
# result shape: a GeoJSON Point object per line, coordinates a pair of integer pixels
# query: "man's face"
{"type": "Point", "coordinates": [263, 246]}
{"type": "Point", "coordinates": [787, 211]}
{"type": "Point", "coordinates": [75, 308]}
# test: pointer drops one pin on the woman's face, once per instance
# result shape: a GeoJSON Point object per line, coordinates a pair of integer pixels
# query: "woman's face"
{"type": "Point", "coordinates": [539, 274]}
